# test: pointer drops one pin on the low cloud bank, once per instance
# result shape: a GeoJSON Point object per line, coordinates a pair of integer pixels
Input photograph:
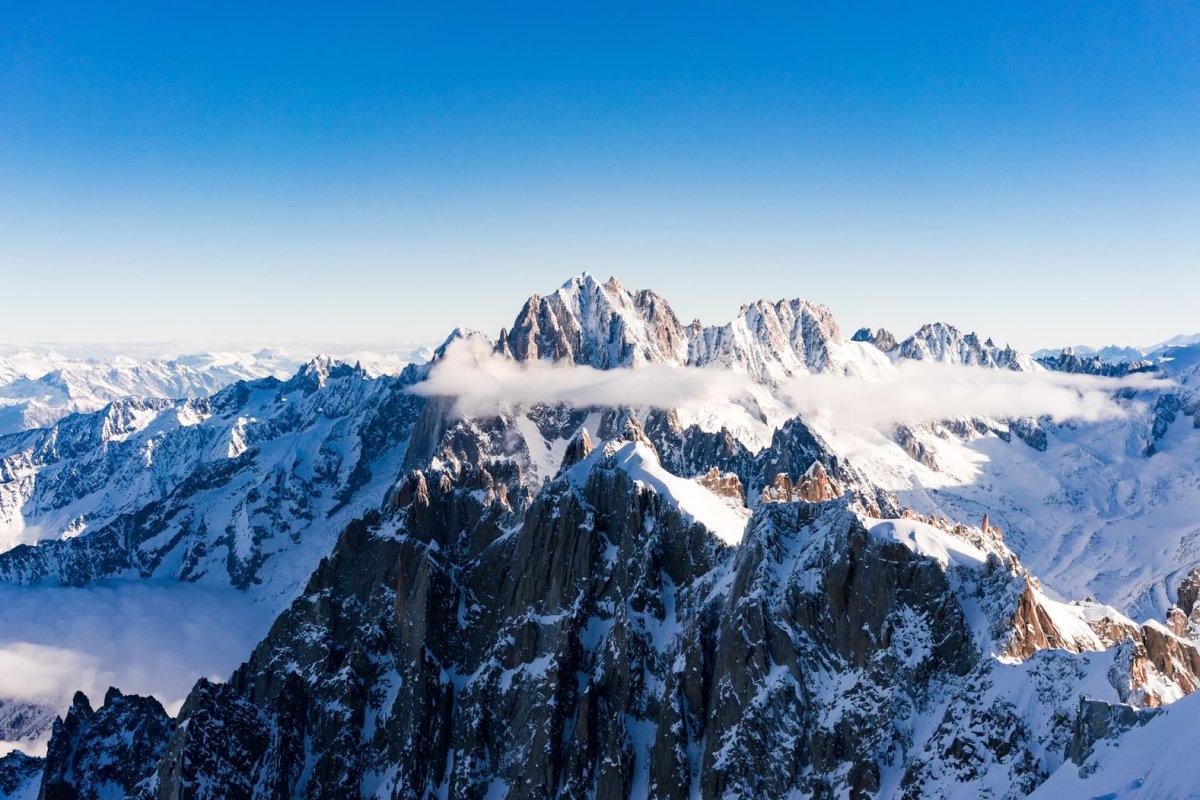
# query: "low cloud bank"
{"type": "Point", "coordinates": [920, 391]}
{"type": "Point", "coordinates": [144, 637]}
{"type": "Point", "coordinates": [482, 383]}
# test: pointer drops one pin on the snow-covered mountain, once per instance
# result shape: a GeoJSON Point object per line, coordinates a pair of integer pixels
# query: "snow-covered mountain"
{"type": "Point", "coordinates": [40, 387]}
{"type": "Point", "coordinates": [749, 595]}
{"type": "Point", "coordinates": [604, 325]}
{"type": "Point", "coordinates": [946, 344]}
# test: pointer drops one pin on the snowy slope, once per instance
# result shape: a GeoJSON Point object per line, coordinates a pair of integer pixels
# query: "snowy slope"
{"type": "Point", "coordinates": [726, 521]}
{"type": "Point", "coordinates": [1155, 760]}
{"type": "Point", "coordinates": [1090, 514]}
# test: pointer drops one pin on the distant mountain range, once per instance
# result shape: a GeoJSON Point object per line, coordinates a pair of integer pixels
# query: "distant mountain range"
{"type": "Point", "coordinates": [39, 387]}
{"type": "Point", "coordinates": [1115, 354]}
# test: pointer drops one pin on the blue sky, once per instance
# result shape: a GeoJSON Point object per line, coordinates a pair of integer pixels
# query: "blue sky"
{"type": "Point", "coordinates": [208, 172]}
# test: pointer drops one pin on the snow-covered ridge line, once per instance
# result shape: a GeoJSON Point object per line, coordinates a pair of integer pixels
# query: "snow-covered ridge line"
{"type": "Point", "coordinates": [39, 387]}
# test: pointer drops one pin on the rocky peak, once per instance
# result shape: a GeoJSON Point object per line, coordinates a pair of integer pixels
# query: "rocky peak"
{"type": "Point", "coordinates": [813, 486]}
{"type": "Point", "coordinates": [599, 325]}
{"type": "Point", "coordinates": [579, 448]}
{"type": "Point", "coordinates": [947, 344]}
{"type": "Point", "coordinates": [772, 340]}
{"type": "Point", "coordinates": [605, 325]}
{"type": "Point", "coordinates": [881, 338]}
{"type": "Point", "coordinates": [317, 371]}
{"type": "Point", "coordinates": [1070, 361]}
{"type": "Point", "coordinates": [726, 485]}
{"type": "Point", "coordinates": [20, 776]}
{"type": "Point", "coordinates": [107, 752]}
{"type": "Point", "coordinates": [461, 334]}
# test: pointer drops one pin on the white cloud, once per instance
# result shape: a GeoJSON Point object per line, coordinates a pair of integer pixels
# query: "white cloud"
{"type": "Point", "coordinates": [920, 391]}
{"type": "Point", "coordinates": [43, 674]}
{"type": "Point", "coordinates": [914, 391]}
{"type": "Point", "coordinates": [483, 383]}
{"type": "Point", "coordinates": [144, 637]}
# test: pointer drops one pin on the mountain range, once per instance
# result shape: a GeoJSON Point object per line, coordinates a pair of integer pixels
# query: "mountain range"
{"type": "Point", "coordinates": [1115, 354]}
{"type": "Point", "coordinates": [646, 559]}
{"type": "Point", "coordinates": [40, 386]}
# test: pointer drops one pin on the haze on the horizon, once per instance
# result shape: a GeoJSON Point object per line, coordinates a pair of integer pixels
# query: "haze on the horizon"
{"type": "Point", "coordinates": [227, 173]}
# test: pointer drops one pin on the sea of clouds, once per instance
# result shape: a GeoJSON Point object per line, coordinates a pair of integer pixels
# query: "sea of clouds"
{"type": "Point", "coordinates": [481, 382]}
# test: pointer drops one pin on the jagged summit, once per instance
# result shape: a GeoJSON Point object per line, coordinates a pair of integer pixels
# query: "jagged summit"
{"type": "Point", "coordinates": [599, 325]}
{"type": "Point", "coordinates": [605, 325]}
{"type": "Point", "coordinates": [939, 341]}
{"type": "Point", "coordinates": [1069, 360]}
{"type": "Point", "coordinates": [882, 338]}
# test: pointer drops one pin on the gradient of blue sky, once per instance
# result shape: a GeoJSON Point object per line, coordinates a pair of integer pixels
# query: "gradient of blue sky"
{"type": "Point", "coordinates": [284, 172]}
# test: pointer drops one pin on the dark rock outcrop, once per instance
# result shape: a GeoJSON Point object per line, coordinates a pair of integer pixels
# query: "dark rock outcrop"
{"type": "Point", "coordinates": [1070, 361]}
{"type": "Point", "coordinates": [20, 775]}
{"type": "Point", "coordinates": [114, 749]}
{"type": "Point", "coordinates": [881, 338]}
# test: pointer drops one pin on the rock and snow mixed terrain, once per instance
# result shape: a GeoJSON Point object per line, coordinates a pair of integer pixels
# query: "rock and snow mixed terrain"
{"type": "Point", "coordinates": [613, 555]}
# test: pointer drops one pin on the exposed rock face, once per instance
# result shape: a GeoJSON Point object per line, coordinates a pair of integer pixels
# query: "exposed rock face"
{"type": "Point", "coordinates": [215, 755]}
{"type": "Point", "coordinates": [247, 488]}
{"type": "Point", "coordinates": [112, 751]}
{"type": "Point", "coordinates": [1035, 626]}
{"type": "Point", "coordinates": [1155, 665]}
{"type": "Point", "coordinates": [1098, 720]}
{"type": "Point", "coordinates": [947, 344]}
{"type": "Point", "coordinates": [1165, 665]}
{"type": "Point", "coordinates": [580, 448]}
{"type": "Point", "coordinates": [606, 325]}
{"type": "Point", "coordinates": [1188, 619]}
{"type": "Point", "coordinates": [601, 325]}
{"type": "Point", "coordinates": [591, 641]}
{"type": "Point", "coordinates": [814, 486]}
{"type": "Point", "coordinates": [726, 485]}
{"type": "Point", "coordinates": [772, 341]}
{"type": "Point", "coordinates": [530, 612]}
{"type": "Point", "coordinates": [1166, 410]}
{"type": "Point", "coordinates": [882, 338]}
{"type": "Point", "coordinates": [907, 438]}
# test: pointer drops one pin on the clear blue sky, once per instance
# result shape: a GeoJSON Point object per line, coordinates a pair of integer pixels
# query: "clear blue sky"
{"type": "Point", "coordinates": [216, 171]}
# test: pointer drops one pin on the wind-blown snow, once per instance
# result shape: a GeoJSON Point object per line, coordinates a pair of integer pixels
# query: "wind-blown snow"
{"type": "Point", "coordinates": [929, 541]}
{"type": "Point", "coordinates": [693, 500]}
